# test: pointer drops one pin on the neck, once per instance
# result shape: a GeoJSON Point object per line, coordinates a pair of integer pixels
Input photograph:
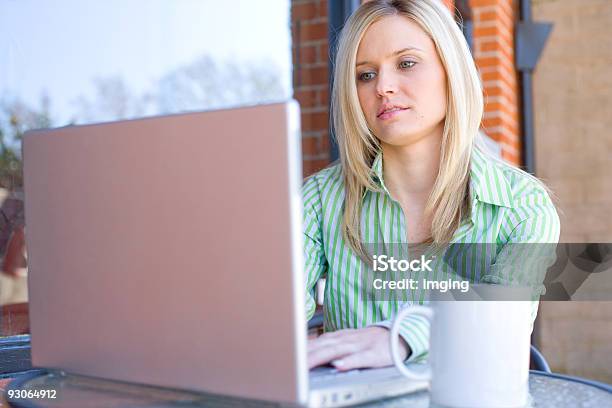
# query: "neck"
{"type": "Point", "coordinates": [411, 171]}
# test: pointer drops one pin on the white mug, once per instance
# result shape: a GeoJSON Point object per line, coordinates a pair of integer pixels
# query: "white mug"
{"type": "Point", "coordinates": [479, 350]}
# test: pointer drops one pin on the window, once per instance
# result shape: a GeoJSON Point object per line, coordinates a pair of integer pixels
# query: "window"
{"type": "Point", "coordinates": [65, 62]}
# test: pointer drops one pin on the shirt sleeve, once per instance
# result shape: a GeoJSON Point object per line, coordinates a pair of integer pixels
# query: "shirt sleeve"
{"type": "Point", "coordinates": [315, 263]}
{"type": "Point", "coordinates": [414, 330]}
{"type": "Point", "coordinates": [530, 248]}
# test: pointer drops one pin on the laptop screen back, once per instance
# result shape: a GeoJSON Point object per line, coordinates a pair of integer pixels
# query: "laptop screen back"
{"type": "Point", "coordinates": [167, 251]}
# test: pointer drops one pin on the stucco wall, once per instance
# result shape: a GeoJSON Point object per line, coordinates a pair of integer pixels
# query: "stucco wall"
{"type": "Point", "coordinates": [573, 132]}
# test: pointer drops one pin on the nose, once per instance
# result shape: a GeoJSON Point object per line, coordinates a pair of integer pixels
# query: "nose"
{"type": "Point", "coordinates": [386, 83]}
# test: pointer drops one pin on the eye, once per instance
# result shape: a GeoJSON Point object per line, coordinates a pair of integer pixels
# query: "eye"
{"type": "Point", "coordinates": [366, 76]}
{"type": "Point", "coordinates": [407, 64]}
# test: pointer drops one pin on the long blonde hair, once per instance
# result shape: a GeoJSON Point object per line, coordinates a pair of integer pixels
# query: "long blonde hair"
{"type": "Point", "coordinates": [449, 199]}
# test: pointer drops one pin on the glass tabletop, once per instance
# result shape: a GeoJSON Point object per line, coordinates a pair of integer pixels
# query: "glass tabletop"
{"type": "Point", "coordinates": [32, 390]}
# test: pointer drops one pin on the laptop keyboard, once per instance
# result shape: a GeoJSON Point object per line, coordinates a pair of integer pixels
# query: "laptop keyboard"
{"type": "Point", "coordinates": [330, 373]}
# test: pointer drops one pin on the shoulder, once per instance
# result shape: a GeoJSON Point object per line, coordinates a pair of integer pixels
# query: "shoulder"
{"type": "Point", "coordinates": [527, 191]}
{"type": "Point", "coordinates": [503, 184]}
{"type": "Point", "coordinates": [527, 198]}
{"type": "Point", "coordinates": [320, 185]}
{"type": "Point", "coordinates": [316, 192]}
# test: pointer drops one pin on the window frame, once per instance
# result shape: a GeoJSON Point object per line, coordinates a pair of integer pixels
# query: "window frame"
{"type": "Point", "coordinates": [338, 11]}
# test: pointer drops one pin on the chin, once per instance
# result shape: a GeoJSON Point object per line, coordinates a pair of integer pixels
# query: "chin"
{"type": "Point", "coordinates": [398, 137]}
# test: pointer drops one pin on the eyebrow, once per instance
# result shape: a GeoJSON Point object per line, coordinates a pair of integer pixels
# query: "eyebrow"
{"type": "Point", "coordinates": [393, 54]}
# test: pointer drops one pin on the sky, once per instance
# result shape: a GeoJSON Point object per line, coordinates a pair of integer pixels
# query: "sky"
{"type": "Point", "coordinates": [61, 45]}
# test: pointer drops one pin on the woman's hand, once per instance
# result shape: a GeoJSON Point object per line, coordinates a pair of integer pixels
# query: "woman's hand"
{"type": "Point", "coordinates": [354, 348]}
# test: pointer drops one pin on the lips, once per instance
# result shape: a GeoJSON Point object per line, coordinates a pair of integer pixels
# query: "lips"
{"type": "Point", "coordinates": [391, 113]}
{"type": "Point", "coordinates": [389, 108]}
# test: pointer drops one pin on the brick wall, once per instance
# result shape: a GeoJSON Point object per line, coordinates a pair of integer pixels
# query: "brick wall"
{"type": "Point", "coordinates": [309, 27]}
{"type": "Point", "coordinates": [493, 43]}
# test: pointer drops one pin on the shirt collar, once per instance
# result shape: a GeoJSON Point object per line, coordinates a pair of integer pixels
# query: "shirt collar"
{"type": "Point", "coordinates": [377, 172]}
{"type": "Point", "coordinates": [488, 183]}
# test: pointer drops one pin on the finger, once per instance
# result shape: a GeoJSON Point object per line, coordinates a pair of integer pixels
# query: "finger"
{"type": "Point", "coordinates": [324, 355]}
{"type": "Point", "coordinates": [337, 333]}
{"type": "Point", "coordinates": [361, 359]}
{"type": "Point", "coordinates": [331, 352]}
{"type": "Point", "coordinates": [330, 339]}
{"type": "Point", "coordinates": [318, 343]}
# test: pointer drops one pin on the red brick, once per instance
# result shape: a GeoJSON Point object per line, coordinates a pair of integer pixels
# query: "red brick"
{"type": "Point", "coordinates": [506, 123]}
{"type": "Point", "coordinates": [495, 91]}
{"type": "Point", "coordinates": [483, 3]}
{"type": "Point", "coordinates": [510, 140]}
{"type": "Point", "coordinates": [488, 15]}
{"type": "Point", "coordinates": [311, 146]}
{"type": "Point", "coordinates": [510, 83]}
{"type": "Point", "coordinates": [510, 157]}
{"type": "Point", "coordinates": [304, 11]}
{"type": "Point", "coordinates": [497, 19]}
{"type": "Point", "coordinates": [506, 108]}
{"type": "Point", "coordinates": [313, 76]}
{"type": "Point", "coordinates": [311, 32]}
{"type": "Point", "coordinates": [492, 122]}
{"type": "Point", "coordinates": [322, 11]}
{"type": "Point", "coordinates": [510, 143]}
{"type": "Point", "coordinates": [323, 52]}
{"type": "Point", "coordinates": [494, 136]}
{"type": "Point", "coordinates": [323, 97]}
{"type": "Point", "coordinates": [491, 50]}
{"type": "Point", "coordinates": [325, 142]}
{"type": "Point", "coordinates": [310, 166]}
{"type": "Point", "coordinates": [488, 46]}
{"type": "Point", "coordinates": [499, 62]}
{"type": "Point", "coordinates": [490, 31]}
{"type": "Point", "coordinates": [307, 54]}
{"type": "Point", "coordinates": [484, 62]}
{"type": "Point", "coordinates": [294, 33]}
{"type": "Point", "coordinates": [315, 121]}
{"type": "Point", "coordinates": [307, 99]}
{"type": "Point", "coordinates": [493, 45]}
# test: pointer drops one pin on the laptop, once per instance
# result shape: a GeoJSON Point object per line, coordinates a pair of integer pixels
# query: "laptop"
{"type": "Point", "coordinates": [167, 251]}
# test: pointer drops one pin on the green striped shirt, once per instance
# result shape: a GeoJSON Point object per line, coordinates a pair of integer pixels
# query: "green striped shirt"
{"type": "Point", "coordinates": [507, 206]}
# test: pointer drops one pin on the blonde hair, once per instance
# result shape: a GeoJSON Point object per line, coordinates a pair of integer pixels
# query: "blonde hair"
{"type": "Point", "coordinates": [448, 202]}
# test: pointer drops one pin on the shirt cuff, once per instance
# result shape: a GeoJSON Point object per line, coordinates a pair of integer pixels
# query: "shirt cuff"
{"type": "Point", "coordinates": [414, 330]}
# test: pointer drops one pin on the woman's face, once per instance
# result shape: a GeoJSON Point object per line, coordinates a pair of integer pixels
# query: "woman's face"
{"type": "Point", "coordinates": [401, 83]}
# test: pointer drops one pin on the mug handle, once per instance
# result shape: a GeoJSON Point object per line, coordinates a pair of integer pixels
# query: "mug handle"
{"type": "Point", "coordinates": [406, 372]}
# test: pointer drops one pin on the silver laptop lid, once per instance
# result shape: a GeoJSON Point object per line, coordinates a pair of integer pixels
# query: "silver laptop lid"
{"type": "Point", "coordinates": [168, 251]}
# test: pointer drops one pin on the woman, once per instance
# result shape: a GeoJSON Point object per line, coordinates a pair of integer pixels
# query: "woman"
{"type": "Point", "coordinates": [407, 104]}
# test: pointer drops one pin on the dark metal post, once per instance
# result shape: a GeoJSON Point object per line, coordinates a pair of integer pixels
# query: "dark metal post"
{"type": "Point", "coordinates": [530, 40]}
{"type": "Point", "coordinates": [338, 12]}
